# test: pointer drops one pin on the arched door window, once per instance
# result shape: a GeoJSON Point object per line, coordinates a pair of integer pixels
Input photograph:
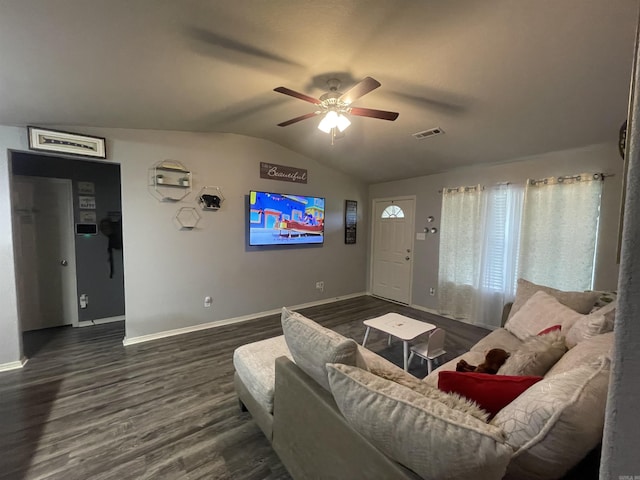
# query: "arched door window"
{"type": "Point", "coordinates": [392, 211]}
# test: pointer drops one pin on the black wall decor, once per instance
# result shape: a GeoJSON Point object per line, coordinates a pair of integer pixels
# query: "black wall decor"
{"type": "Point", "coordinates": [350, 221]}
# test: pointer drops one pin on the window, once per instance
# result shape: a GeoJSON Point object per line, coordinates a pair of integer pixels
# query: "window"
{"type": "Point", "coordinates": [546, 233]}
{"type": "Point", "coordinates": [560, 230]}
{"type": "Point", "coordinates": [393, 211]}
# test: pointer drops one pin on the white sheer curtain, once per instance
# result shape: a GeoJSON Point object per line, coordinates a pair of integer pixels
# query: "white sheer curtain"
{"type": "Point", "coordinates": [559, 231]}
{"type": "Point", "coordinates": [500, 234]}
{"type": "Point", "coordinates": [460, 249]}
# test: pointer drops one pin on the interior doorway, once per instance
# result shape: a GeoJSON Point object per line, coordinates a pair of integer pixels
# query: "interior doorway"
{"type": "Point", "coordinates": [392, 248]}
{"type": "Point", "coordinates": [86, 277]}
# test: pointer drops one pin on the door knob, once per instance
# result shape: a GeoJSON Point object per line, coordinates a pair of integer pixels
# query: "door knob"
{"type": "Point", "coordinates": [64, 263]}
{"type": "Point", "coordinates": [407, 258]}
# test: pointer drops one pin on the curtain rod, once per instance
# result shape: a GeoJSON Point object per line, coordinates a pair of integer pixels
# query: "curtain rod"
{"type": "Point", "coordinates": [567, 177]}
{"type": "Point", "coordinates": [562, 178]}
{"type": "Point", "coordinates": [466, 189]}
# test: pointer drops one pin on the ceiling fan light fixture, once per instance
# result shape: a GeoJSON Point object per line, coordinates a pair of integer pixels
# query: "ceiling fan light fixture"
{"type": "Point", "coordinates": [334, 120]}
{"type": "Point", "coordinates": [329, 121]}
{"type": "Point", "coordinates": [342, 123]}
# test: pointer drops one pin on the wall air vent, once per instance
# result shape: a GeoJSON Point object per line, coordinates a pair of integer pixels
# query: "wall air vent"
{"type": "Point", "coordinates": [428, 133]}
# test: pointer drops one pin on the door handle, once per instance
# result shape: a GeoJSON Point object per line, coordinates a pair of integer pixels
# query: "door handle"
{"type": "Point", "coordinates": [64, 263]}
{"type": "Point", "coordinates": [407, 258]}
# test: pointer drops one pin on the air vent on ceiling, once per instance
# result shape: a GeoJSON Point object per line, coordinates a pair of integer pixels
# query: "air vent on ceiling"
{"type": "Point", "coordinates": [428, 133]}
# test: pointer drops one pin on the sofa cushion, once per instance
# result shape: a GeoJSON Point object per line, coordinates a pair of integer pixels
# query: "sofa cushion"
{"type": "Point", "coordinates": [539, 312]}
{"type": "Point", "coordinates": [536, 355]}
{"type": "Point", "coordinates": [584, 353]}
{"type": "Point", "coordinates": [418, 432]}
{"type": "Point", "coordinates": [491, 392]}
{"type": "Point", "coordinates": [581, 302]}
{"type": "Point", "coordinates": [596, 323]}
{"type": "Point", "coordinates": [452, 400]}
{"type": "Point", "coordinates": [556, 422]}
{"type": "Point", "coordinates": [500, 338]}
{"type": "Point", "coordinates": [255, 365]}
{"type": "Point", "coordinates": [312, 346]}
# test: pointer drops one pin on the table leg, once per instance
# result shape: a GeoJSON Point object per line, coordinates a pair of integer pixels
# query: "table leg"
{"type": "Point", "coordinates": [405, 356]}
{"type": "Point", "coordinates": [366, 336]}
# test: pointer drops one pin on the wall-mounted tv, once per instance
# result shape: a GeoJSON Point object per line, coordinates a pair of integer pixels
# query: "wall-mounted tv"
{"type": "Point", "coordinates": [282, 219]}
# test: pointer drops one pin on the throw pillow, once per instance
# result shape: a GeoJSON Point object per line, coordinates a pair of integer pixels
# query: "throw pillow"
{"type": "Point", "coordinates": [596, 323]}
{"type": "Point", "coordinates": [550, 329]}
{"type": "Point", "coordinates": [555, 423]}
{"type": "Point", "coordinates": [491, 392]}
{"type": "Point", "coordinates": [605, 298]}
{"type": "Point", "coordinates": [539, 312]}
{"type": "Point", "coordinates": [581, 302]}
{"type": "Point", "coordinates": [536, 355]}
{"type": "Point", "coordinates": [453, 400]}
{"type": "Point", "coordinates": [584, 353]}
{"type": "Point", "coordinates": [312, 346]}
{"type": "Point", "coordinates": [420, 433]}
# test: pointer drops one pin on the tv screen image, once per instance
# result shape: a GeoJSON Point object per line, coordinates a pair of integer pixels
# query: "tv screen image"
{"type": "Point", "coordinates": [282, 219]}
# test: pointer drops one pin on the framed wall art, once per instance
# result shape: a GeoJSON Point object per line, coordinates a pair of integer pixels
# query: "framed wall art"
{"type": "Point", "coordinates": [350, 221]}
{"type": "Point", "coordinates": [67, 143]}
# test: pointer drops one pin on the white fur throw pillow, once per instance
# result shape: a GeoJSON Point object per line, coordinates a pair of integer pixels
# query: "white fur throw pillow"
{"type": "Point", "coordinates": [581, 302]}
{"type": "Point", "coordinates": [420, 433]}
{"type": "Point", "coordinates": [556, 422]}
{"type": "Point", "coordinates": [599, 322]}
{"type": "Point", "coordinates": [535, 356]}
{"type": "Point", "coordinates": [539, 312]}
{"type": "Point", "coordinates": [452, 400]}
{"type": "Point", "coordinates": [312, 346]}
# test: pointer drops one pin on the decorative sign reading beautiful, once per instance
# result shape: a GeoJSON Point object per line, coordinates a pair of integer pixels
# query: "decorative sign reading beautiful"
{"type": "Point", "coordinates": [283, 173]}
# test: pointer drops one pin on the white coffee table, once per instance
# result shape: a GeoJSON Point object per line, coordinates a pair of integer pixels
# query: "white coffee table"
{"type": "Point", "coordinates": [404, 328]}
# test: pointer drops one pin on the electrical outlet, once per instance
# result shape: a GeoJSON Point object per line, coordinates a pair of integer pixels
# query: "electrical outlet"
{"type": "Point", "coordinates": [208, 301]}
{"type": "Point", "coordinates": [432, 291]}
{"type": "Point", "coordinates": [320, 286]}
{"type": "Point", "coordinates": [84, 300]}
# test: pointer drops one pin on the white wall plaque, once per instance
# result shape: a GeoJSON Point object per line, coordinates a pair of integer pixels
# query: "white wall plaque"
{"type": "Point", "coordinates": [87, 202]}
{"type": "Point", "coordinates": [86, 188]}
{"type": "Point", "coordinates": [87, 216]}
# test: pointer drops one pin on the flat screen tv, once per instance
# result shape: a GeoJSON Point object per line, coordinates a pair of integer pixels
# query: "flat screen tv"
{"type": "Point", "coordinates": [282, 219]}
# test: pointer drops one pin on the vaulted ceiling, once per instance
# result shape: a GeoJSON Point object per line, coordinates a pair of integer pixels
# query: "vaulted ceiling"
{"type": "Point", "coordinates": [503, 78]}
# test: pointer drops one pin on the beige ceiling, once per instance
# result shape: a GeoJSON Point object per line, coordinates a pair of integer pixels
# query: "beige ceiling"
{"type": "Point", "coordinates": [503, 79]}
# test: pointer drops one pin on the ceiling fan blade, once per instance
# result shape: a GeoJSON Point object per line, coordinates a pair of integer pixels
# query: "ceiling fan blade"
{"type": "Point", "coordinates": [301, 96]}
{"type": "Point", "coordinates": [369, 112]}
{"type": "Point", "coordinates": [298, 119]}
{"type": "Point", "coordinates": [359, 89]}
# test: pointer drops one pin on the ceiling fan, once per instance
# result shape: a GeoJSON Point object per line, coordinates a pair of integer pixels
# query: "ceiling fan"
{"type": "Point", "coordinates": [336, 106]}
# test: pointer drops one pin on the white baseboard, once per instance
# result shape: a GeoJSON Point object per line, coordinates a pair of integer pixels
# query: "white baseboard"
{"type": "Point", "coordinates": [4, 367]}
{"type": "Point", "coordinates": [230, 321]}
{"type": "Point", "coordinates": [100, 321]}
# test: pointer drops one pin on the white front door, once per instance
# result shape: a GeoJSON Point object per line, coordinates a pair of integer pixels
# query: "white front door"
{"type": "Point", "coordinates": [392, 259]}
{"type": "Point", "coordinates": [45, 252]}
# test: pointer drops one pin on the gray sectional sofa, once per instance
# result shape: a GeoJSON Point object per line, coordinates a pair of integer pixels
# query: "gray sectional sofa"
{"type": "Point", "coordinates": [335, 410]}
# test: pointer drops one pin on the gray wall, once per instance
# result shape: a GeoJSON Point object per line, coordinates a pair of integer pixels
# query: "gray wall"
{"type": "Point", "coordinates": [10, 337]}
{"type": "Point", "coordinates": [169, 271]}
{"type": "Point", "coordinates": [106, 295]}
{"type": "Point", "coordinates": [595, 158]}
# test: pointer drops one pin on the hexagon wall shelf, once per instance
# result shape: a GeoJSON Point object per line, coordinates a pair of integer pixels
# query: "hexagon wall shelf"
{"type": "Point", "coordinates": [187, 218]}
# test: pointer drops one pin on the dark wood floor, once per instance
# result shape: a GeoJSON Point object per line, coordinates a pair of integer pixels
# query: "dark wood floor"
{"type": "Point", "coordinates": [85, 407]}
